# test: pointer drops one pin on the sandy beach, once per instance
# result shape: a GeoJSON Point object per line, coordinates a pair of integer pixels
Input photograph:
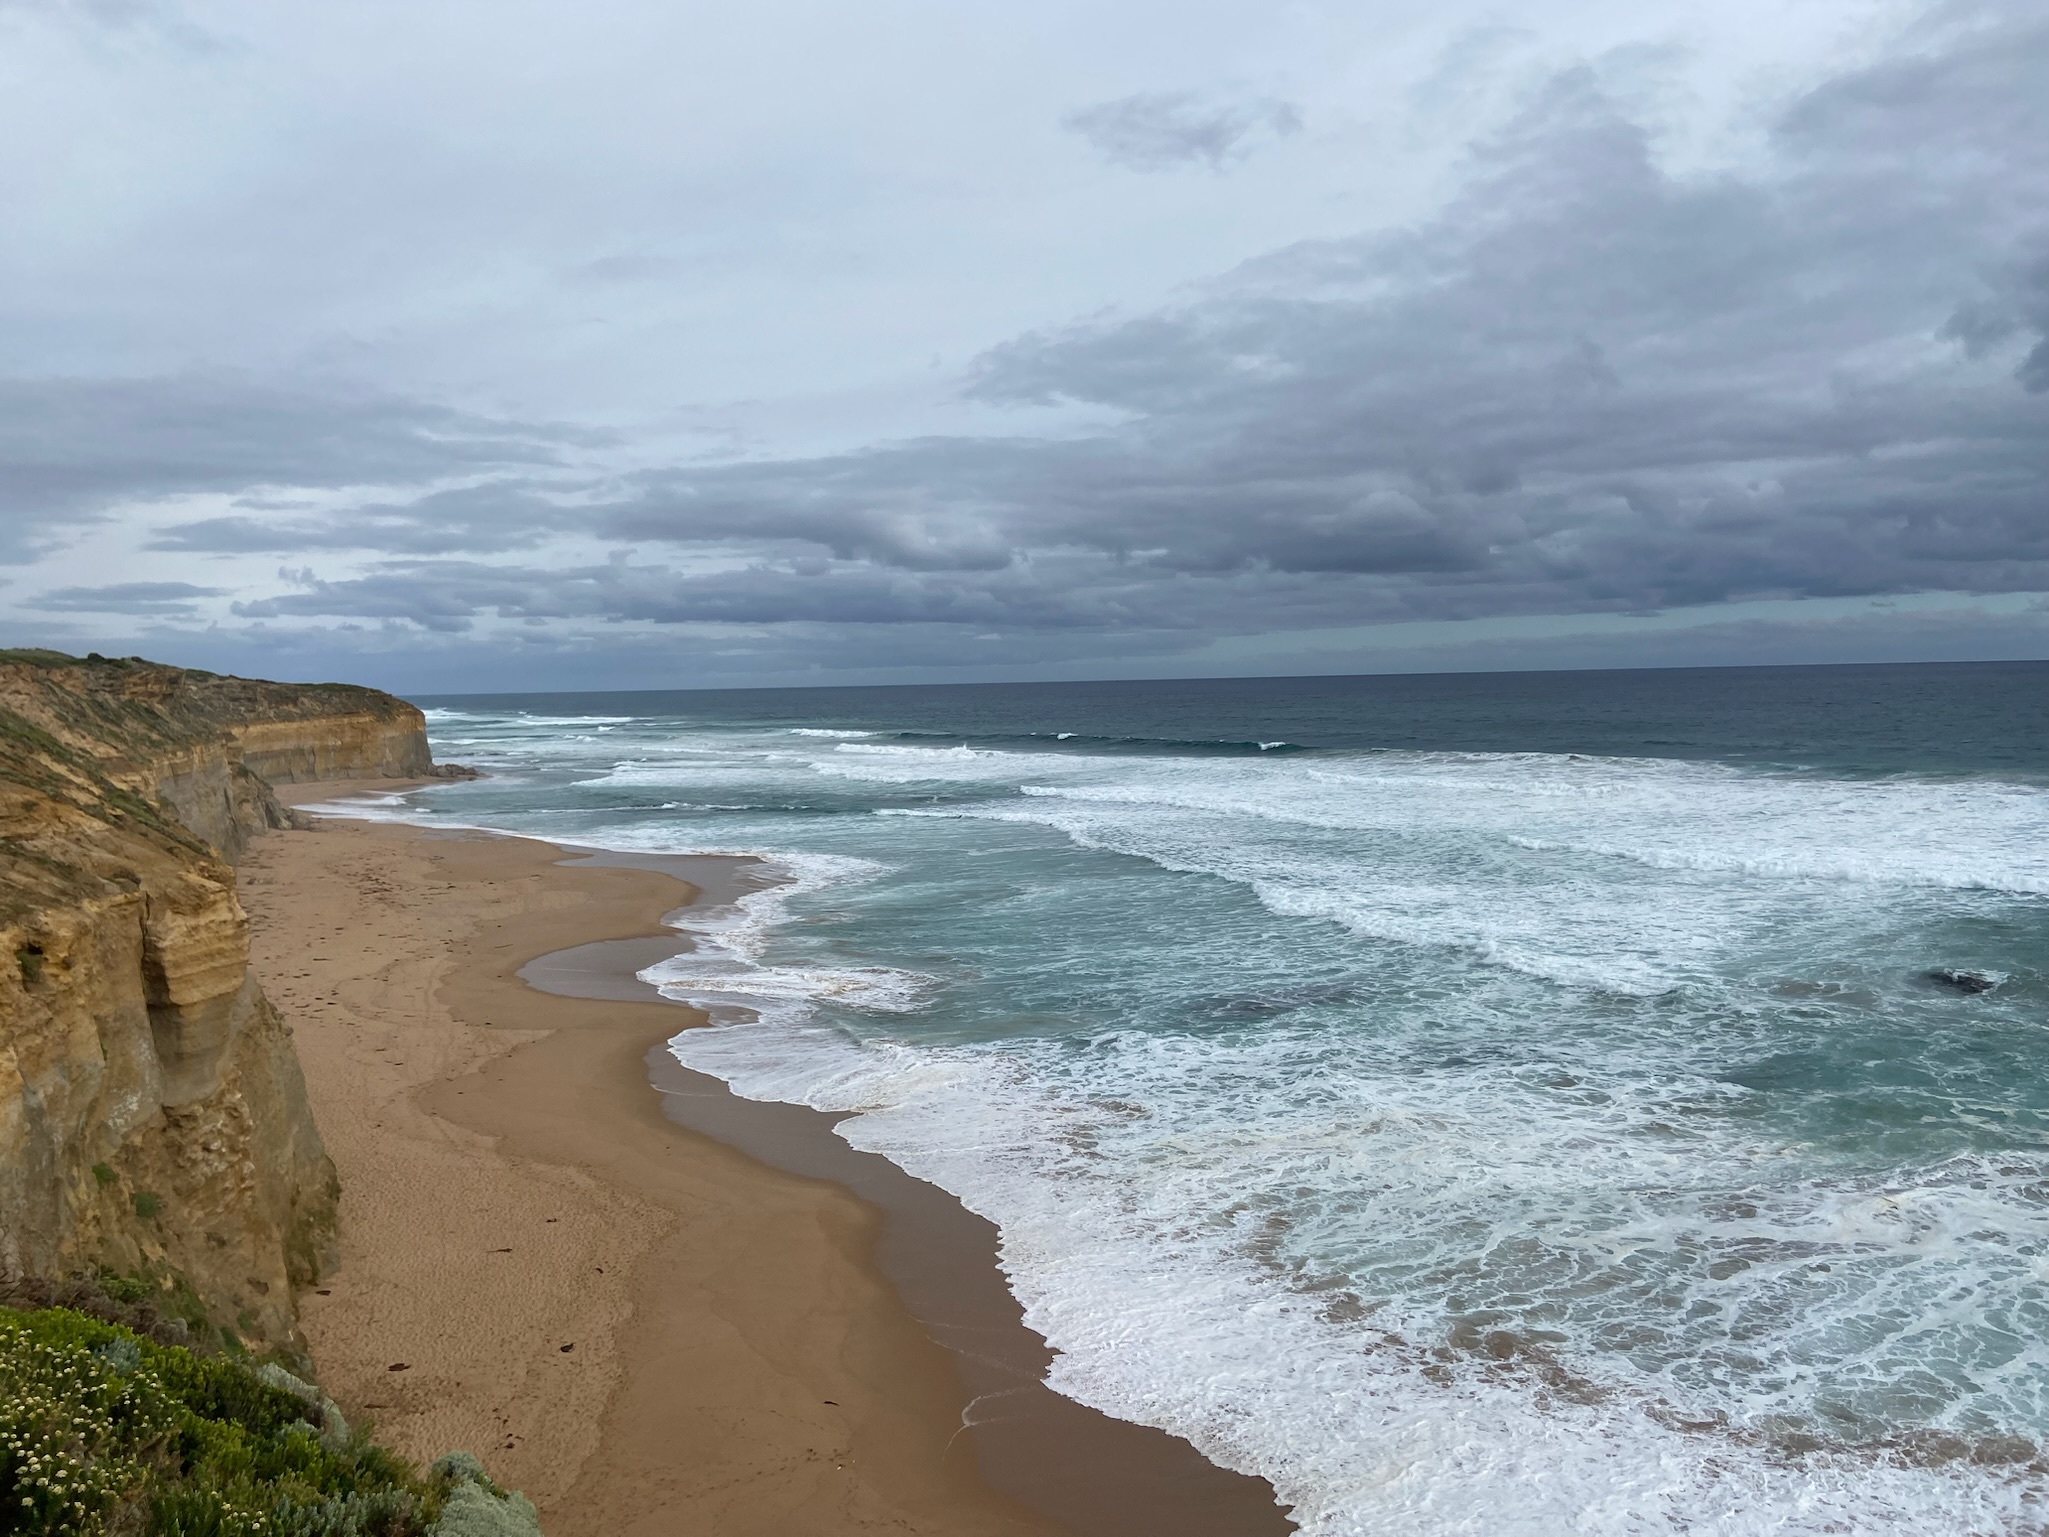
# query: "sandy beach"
{"type": "Point", "coordinates": [645, 1328]}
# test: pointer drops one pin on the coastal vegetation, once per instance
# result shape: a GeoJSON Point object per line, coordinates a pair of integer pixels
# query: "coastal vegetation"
{"type": "Point", "coordinates": [106, 1430]}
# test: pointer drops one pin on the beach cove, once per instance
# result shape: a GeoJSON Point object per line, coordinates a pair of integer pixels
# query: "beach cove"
{"type": "Point", "coordinates": [1600, 1103]}
{"type": "Point", "coordinates": [1507, 1105]}
{"type": "Point", "coordinates": [645, 1328]}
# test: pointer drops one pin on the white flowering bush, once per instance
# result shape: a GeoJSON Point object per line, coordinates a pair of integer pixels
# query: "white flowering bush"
{"type": "Point", "coordinates": [78, 1433]}
{"type": "Point", "coordinates": [106, 1433]}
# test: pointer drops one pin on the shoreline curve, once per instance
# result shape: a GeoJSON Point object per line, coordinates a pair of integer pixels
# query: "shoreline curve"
{"type": "Point", "coordinates": [763, 1360]}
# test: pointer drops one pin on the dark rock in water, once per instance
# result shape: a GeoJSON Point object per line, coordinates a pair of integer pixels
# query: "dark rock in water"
{"type": "Point", "coordinates": [1962, 981]}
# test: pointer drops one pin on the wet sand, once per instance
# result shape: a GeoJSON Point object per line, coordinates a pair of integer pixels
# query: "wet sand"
{"type": "Point", "coordinates": [768, 1333]}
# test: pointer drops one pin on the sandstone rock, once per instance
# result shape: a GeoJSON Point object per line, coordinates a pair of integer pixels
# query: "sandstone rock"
{"type": "Point", "coordinates": [153, 1118]}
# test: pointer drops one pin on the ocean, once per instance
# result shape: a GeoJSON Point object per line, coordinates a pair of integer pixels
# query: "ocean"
{"type": "Point", "coordinates": [1507, 1104]}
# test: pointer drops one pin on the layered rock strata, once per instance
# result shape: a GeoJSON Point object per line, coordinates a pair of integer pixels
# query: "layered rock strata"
{"type": "Point", "coordinates": [153, 1120]}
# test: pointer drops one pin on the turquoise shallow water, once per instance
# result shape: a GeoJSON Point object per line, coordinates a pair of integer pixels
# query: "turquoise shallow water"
{"type": "Point", "coordinates": [1480, 1105]}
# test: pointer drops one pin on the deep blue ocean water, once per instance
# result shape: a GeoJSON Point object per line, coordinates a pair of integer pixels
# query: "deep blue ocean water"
{"type": "Point", "coordinates": [1516, 1103]}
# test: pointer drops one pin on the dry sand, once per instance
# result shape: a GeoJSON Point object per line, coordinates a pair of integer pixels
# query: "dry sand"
{"type": "Point", "coordinates": [769, 1382]}
{"type": "Point", "coordinates": [650, 1332]}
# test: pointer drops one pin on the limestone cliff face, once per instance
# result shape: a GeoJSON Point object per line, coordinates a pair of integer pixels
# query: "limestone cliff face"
{"type": "Point", "coordinates": [210, 747]}
{"type": "Point", "coordinates": [152, 1114]}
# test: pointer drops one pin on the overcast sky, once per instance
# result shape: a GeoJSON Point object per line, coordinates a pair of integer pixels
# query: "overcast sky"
{"type": "Point", "coordinates": [503, 344]}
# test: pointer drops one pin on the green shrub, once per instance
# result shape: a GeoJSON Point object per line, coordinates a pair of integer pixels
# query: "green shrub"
{"type": "Point", "coordinates": [104, 1173]}
{"type": "Point", "coordinates": [147, 1204]}
{"type": "Point", "coordinates": [104, 1431]}
{"type": "Point", "coordinates": [129, 1289]}
{"type": "Point", "coordinates": [473, 1506]}
{"type": "Point", "coordinates": [469, 1511]}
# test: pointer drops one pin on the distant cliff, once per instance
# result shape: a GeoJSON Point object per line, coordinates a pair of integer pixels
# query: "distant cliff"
{"type": "Point", "coordinates": [153, 1119]}
{"type": "Point", "coordinates": [210, 747]}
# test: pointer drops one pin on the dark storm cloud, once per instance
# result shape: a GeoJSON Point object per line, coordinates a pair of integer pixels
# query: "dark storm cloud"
{"type": "Point", "coordinates": [70, 447]}
{"type": "Point", "coordinates": [1160, 130]}
{"type": "Point", "coordinates": [128, 598]}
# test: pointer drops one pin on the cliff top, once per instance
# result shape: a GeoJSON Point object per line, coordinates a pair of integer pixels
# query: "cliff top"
{"type": "Point", "coordinates": [154, 757]}
{"type": "Point", "coordinates": [124, 708]}
{"type": "Point", "coordinates": [57, 779]}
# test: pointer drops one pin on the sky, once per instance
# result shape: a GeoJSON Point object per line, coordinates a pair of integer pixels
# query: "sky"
{"type": "Point", "coordinates": [467, 345]}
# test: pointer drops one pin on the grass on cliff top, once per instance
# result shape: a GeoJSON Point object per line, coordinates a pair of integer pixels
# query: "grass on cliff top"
{"type": "Point", "coordinates": [107, 1433]}
{"type": "Point", "coordinates": [42, 656]}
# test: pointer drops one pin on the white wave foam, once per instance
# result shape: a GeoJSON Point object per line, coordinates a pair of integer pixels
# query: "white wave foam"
{"type": "Point", "coordinates": [830, 732]}
{"type": "Point", "coordinates": [369, 806]}
{"type": "Point", "coordinates": [1127, 1235]}
{"type": "Point", "coordinates": [679, 765]}
{"type": "Point", "coordinates": [717, 981]}
{"type": "Point", "coordinates": [1511, 858]}
{"type": "Point", "coordinates": [931, 757]}
{"type": "Point", "coordinates": [725, 970]}
{"type": "Point", "coordinates": [1577, 933]}
{"type": "Point", "coordinates": [1846, 865]}
{"type": "Point", "coordinates": [1661, 814]}
{"type": "Point", "coordinates": [1171, 1207]}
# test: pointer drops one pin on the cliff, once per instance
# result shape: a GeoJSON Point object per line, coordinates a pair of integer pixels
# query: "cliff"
{"type": "Point", "coordinates": [153, 1120]}
{"type": "Point", "coordinates": [210, 747]}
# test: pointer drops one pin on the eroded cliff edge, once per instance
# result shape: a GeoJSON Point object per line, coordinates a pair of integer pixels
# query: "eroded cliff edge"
{"type": "Point", "coordinates": [153, 1119]}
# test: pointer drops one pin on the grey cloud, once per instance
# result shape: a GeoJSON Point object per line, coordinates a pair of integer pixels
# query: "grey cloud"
{"type": "Point", "coordinates": [403, 657]}
{"type": "Point", "coordinates": [973, 505]}
{"type": "Point", "coordinates": [70, 447]}
{"type": "Point", "coordinates": [1588, 385]}
{"type": "Point", "coordinates": [625, 267]}
{"type": "Point", "coordinates": [162, 22]}
{"type": "Point", "coordinates": [1160, 130]}
{"type": "Point", "coordinates": [127, 598]}
{"type": "Point", "coordinates": [495, 516]}
{"type": "Point", "coordinates": [400, 655]}
{"type": "Point", "coordinates": [450, 595]}
{"type": "Point", "coordinates": [109, 13]}
{"type": "Point", "coordinates": [2028, 296]}
{"type": "Point", "coordinates": [1072, 591]}
{"type": "Point", "coordinates": [800, 617]}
